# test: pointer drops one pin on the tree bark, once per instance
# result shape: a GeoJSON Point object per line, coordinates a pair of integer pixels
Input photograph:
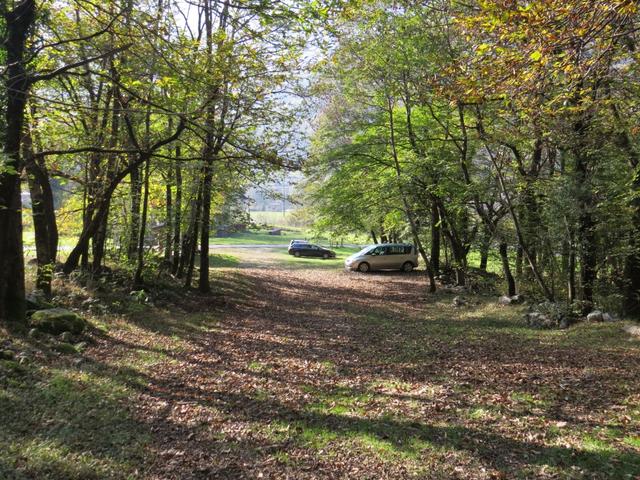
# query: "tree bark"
{"type": "Point", "coordinates": [137, 279]}
{"type": "Point", "coordinates": [177, 225]}
{"type": "Point", "coordinates": [43, 213]}
{"type": "Point", "coordinates": [435, 238]}
{"type": "Point", "coordinates": [18, 22]}
{"type": "Point", "coordinates": [506, 268]}
{"type": "Point", "coordinates": [136, 196]}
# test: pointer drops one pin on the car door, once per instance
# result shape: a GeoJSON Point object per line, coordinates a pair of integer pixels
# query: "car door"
{"type": "Point", "coordinates": [396, 257]}
{"type": "Point", "coordinates": [388, 258]}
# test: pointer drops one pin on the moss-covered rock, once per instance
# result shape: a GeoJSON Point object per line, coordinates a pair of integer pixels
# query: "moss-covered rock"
{"type": "Point", "coordinates": [37, 300]}
{"type": "Point", "coordinates": [58, 320]}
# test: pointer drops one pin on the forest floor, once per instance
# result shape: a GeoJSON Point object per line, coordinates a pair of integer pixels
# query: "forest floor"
{"type": "Point", "coordinates": [300, 370]}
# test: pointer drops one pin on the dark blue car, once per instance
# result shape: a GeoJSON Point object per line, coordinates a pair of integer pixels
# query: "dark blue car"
{"type": "Point", "coordinates": [309, 250]}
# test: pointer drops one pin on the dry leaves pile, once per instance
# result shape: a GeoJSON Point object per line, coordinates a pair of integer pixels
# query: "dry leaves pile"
{"type": "Point", "coordinates": [320, 373]}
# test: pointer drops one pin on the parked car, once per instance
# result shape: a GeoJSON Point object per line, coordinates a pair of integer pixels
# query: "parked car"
{"type": "Point", "coordinates": [386, 256]}
{"type": "Point", "coordinates": [309, 250]}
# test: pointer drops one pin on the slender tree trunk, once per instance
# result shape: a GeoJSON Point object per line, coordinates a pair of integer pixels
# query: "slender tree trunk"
{"type": "Point", "coordinates": [193, 244]}
{"type": "Point", "coordinates": [519, 262]}
{"type": "Point", "coordinates": [177, 225]}
{"type": "Point", "coordinates": [168, 219]}
{"type": "Point", "coordinates": [435, 238]}
{"type": "Point", "coordinates": [586, 231]}
{"type": "Point", "coordinates": [203, 283]}
{"type": "Point", "coordinates": [98, 244]}
{"type": "Point", "coordinates": [137, 279]}
{"type": "Point", "coordinates": [188, 237]}
{"type": "Point", "coordinates": [506, 268]}
{"type": "Point", "coordinates": [373, 236]}
{"type": "Point", "coordinates": [18, 22]}
{"type": "Point", "coordinates": [44, 222]}
{"type": "Point", "coordinates": [136, 196]}
{"type": "Point", "coordinates": [484, 253]}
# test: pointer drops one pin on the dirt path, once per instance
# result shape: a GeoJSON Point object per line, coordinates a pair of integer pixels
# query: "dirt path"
{"type": "Point", "coordinates": [328, 374]}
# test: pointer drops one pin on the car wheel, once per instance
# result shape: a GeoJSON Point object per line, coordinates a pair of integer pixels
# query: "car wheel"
{"type": "Point", "coordinates": [363, 267]}
{"type": "Point", "coordinates": [325, 256]}
{"type": "Point", "coordinates": [407, 267]}
{"type": "Point", "coordinates": [296, 254]}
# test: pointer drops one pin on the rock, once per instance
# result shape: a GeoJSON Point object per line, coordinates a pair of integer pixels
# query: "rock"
{"type": "Point", "coordinates": [504, 300]}
{"type": "Point", "coordinates": [595, 316]}
{"type": "Point", "coordinates": [34, 333]}
{"type": "Point", "coordinates": [7, 355]}
{"type": "Point", "coordinates": [607, 318]}
{"type": "Point", "coordinates": [564, 323]}
{"type": "Point", "coordinates": [37, 300]}
{"type": "Point", "coordinates": [66, 337]}
{"type": "Point", "coordinates": [64, 348]}
{"type": "Point", "coordinates": [459, 302]}
{"type": "Point", "coordinates": [518, 299]}
{"type": "Point", "coordinates": [58, 320]}
{"type": "Point", "coordinates": [633, 330]}
{"type": "Point", "coordinates": [539, 320]}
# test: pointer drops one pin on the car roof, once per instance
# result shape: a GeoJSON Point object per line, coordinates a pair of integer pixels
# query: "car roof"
{"type": "Point", "coordinates": [391, 245]}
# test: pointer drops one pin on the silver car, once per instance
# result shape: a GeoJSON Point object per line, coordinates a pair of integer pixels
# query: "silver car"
{"type": "Point", "coordinates": [385, 256]}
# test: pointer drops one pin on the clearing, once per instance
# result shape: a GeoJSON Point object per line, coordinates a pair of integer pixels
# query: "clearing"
{"type": "Point", "coordinates": [296, 369]}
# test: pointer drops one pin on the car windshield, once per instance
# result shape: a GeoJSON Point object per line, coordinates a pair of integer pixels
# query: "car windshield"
{"type": "Point", "coordinates": [366, 250]}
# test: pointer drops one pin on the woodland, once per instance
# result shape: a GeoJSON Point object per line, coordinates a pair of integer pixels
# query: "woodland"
{"type": "Point", "coordinates": [500, 137]}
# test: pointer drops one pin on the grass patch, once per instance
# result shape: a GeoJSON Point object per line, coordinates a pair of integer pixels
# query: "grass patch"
{"type": "Point", "coordinates": [222, 260]}
{"type": "Point", "coordinates": [65, 423]}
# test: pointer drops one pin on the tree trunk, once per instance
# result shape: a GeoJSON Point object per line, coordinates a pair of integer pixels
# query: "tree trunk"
{"type": "Point", "coordinates": [435, 238]}
{"type": "Point", "coordinates": [519, 262]}
{"type": "Point", "coordinates": [586, 231]}
{"type": "Point", "coordinates": [168, 219]}
{"type": "Point", "coordinates": [136, 195]}
{"type": "Point", "coordinates": [98, 244]}
{"type": "Point", "coordinates": [485, 246]}
{"type": "Point", "coordinates": [44, 221]}
{"type": "Point", "coordinates": [193, 244]}
{"type": "Point", "coordinates": [373, 236]}
{"type": "Point", "coordinates": [203, 283]}
{"type": "Point", "coordinates": [506, 268]}
{"type": "Point", "coordinates": [137, 279]}
{"type": "Point", "coordinates": [178, 215]}
{"type": "Point", "coordinates": [18, 22]}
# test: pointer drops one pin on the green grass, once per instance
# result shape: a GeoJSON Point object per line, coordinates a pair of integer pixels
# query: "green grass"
{"type": "Point", "coordinates": [261, 237]}
{"type": "Point", "coordinates": [222, 260]}
{"type": "Point", "coordinates": [67, 423]}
